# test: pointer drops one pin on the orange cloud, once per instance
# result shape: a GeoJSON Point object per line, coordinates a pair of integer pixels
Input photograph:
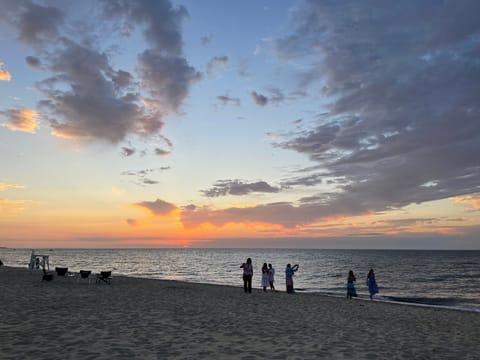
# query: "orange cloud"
{"type": "Point", "coordinates": [5, 186]}
{"type": "Point", "coordinates": [13, 206]}
{"type": "Point", "coordinates": [21, 120]}
{"type": "Point", "coordinates": [4, 74]}
{"type": "Point", "coordinates": [472, 200]}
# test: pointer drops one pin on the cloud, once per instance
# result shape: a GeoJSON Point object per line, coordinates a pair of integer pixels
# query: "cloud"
{"type": "Point", "coordinates": [307, 180]}
{"type": "Point", "coordinates": [225, 100]}
{"type": "Point", "coordinates": [163, 69]}
{"type": "Point", "coordinates": [238, 187]}
{"type": "Point", "coordinates": [34, 62]}
{"type": "Point", "coordinates": [276, 96]}
{"type": "Point", "coordinates": [215, 63]}
{"type": "Point", "coordinates": [20, 120]}
{"type": "Point", "coordinates": [472, 200]}
{"type": "Point", "coordinates": [131, 222]}
{"type": "Point", "coordinates": [162, 152]}
{"type": "Point", "coordinates": [160, 21]}
{"type": "Point", "coordinates": [126, 151]}
{"type": "Point", "coordinates": [85, 96]}
{"type": "Point", "coordinates": [13, 206]}
{"type": "Point", "coordinates": [168, 78]}
{"type": "Point", "coordinates": [35, 23]}
{"type": "Point", "coordinates": [157, 207]}
{"type": "Point", "coordinates": [5, 186]}
{"type": "Point", "coordinates": [84, 79]}
{"type": "Point", "coordinates": [141, 175]}
{"type": "Point", "coordinates": [4, 74]}
{"type": "Point", "coordinates": [284, 214]}
{"type": "Point", "coordinates": [402, 120]}
{"type": "Point", "coordinates": [260, 100]}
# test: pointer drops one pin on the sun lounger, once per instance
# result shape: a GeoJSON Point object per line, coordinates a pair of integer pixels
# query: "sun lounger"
{"type": "Point", "coordinates": [104, 276]}
{"type": "Point", "coordinates": [47, 276]}
{"type": "Point", "coordinates": [85, 275]}
{"type": "Point", "coordinates": [61, 271]}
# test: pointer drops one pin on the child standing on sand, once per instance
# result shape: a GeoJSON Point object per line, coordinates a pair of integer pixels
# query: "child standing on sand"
{"type": "Point", "coordinates": [351, 285]}
{"type": "Point", "coordinates": [289, 272]}
{"type": "Point", "coordinates": [271, 276]}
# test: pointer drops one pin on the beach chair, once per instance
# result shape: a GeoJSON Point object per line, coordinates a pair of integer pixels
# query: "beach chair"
{"type": "Point", "coordinates": [61, 271]}
{"type": "Point", "coordinates": [104, 276]}
{"type": "Point", "coordinates": [85, 275]}
{"type": "Point", "coordinates": [47, 276]}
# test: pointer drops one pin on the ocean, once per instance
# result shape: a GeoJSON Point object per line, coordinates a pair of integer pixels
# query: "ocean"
{"type": "Point", "coordinates": [448, 279]}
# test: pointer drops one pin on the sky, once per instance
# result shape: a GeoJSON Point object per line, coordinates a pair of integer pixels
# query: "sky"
{"type": "Point", "coordinates": [289, 124]}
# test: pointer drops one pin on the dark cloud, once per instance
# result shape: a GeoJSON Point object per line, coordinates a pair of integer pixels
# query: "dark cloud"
{"type": "Point", "coordinates": [276, 96]}
{"type": "Point", "coordinates": [128, 151]}
{"type": "Point", "coordinates": [403, 85]}
{"type": "Point", "coordinates": [140, 176]}
{"type": "Point", "coordinates": [306, 180]}
{"type": "Point", "coordinates": [238, 187]}
{"type": "Point", "coordinates": [85, 102]}
{"type": "Point", "coordinates": [157, 207]}
{"type": "Point", "coordinates": [161, 152]}
{"type": "Point", "coordinates": [161, 22]}
{"type": "Point", "coordinates": [34, 62]}
{"type": "Point", "coordinates": [35, 23]}
{"type": "Point", "coordinates": [163, 69]}
{"type": "Point", "coordinates": [85, 96]}
{"type": "Point", "coordinates": [225, 100]}
{"type": "Point", "coordinates": [167, 77]}
{"type": "Point", "coordinates": [260, 100]}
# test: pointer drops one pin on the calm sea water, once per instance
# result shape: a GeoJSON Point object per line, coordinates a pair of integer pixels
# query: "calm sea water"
{"type": "Point", "coordinates": [435, 278]}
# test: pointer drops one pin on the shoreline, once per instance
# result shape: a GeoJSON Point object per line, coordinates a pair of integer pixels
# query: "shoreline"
{"type": "Point", "coordinates": [148, 319]}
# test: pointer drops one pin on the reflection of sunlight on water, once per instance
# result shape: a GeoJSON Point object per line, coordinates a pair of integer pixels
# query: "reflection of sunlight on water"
{"type": "Point", "coordinates": [402, 274]}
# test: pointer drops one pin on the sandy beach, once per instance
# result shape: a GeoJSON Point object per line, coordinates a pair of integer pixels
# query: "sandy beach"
{"type": "Point", "coordinates": [155, 319]}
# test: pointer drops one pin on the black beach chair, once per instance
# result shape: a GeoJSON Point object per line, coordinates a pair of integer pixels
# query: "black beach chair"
{"type": "Point", "coordinates": [46, 276]}
{"type": "Point", "coordinates": [85, 275]}
{"type": "Point", "coordinates": [61, 271]}
{"type": "Point", "coordinates": [104, 276]}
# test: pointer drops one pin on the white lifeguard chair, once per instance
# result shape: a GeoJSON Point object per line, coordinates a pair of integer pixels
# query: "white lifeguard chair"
{"type": "Point", "coordinates": [38, 261]}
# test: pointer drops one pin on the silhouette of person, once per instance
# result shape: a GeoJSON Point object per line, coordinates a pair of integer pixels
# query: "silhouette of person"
{"type": "Point", "coordinates": [247, 275]}
{"type": "Point", "coordinates": [264, 276]}
{"type": "Point", "coordinates": [271, 277]}
{"type": "Point", "coordinates": [351, 285]}
{"type": "Point", "coordinates": [289, 272]}
{"type": "Point", "coordinates": [372, 284]}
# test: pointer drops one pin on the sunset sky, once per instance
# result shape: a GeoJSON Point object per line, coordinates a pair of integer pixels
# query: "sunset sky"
{"type": "Point", "coordinates": [302, 124]}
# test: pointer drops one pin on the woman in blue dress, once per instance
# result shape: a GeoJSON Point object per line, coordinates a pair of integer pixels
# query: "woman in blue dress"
{"type": "Point", "coordinates": [351, 285]}
{"type": "Point", "coordinates": [371, 283]}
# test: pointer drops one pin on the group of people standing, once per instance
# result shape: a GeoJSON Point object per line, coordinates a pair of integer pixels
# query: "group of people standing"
{"type": "Point", "coordinates": [268, 276]}
{"type": "Point", "coordinates": [268, 279]}
{"type": "Point", "coordinates": [371, 284]}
